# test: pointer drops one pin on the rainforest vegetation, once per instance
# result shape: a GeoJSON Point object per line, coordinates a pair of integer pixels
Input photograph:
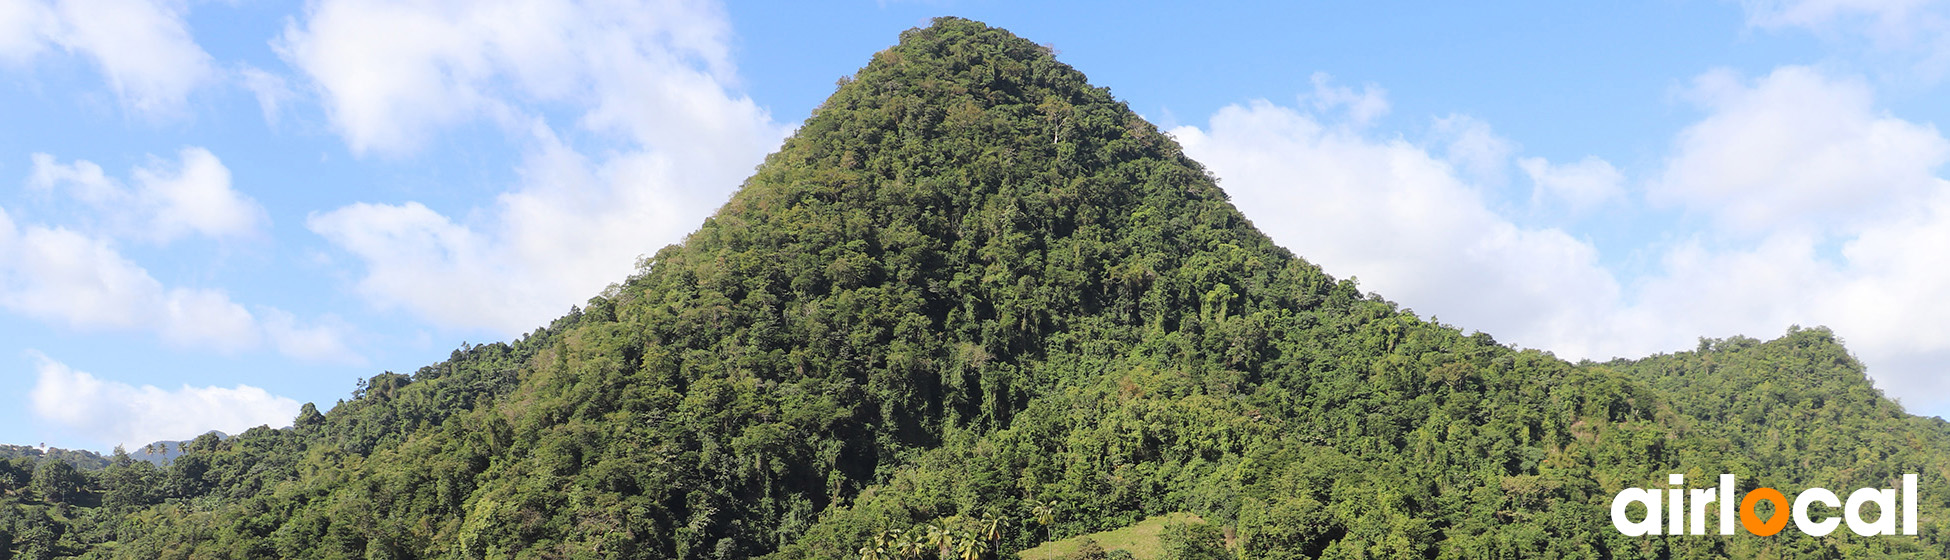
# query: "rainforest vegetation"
{"type": "Point", "coordinates": [976, 304]}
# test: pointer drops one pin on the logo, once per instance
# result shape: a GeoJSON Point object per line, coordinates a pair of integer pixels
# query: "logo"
{"type": "Point", "coordinates": [1665, 511]}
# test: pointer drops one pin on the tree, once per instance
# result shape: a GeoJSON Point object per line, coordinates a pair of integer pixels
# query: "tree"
{"type": "Point", "coordinates": [36, 542]}
{"type": "Point", "coordinates": [909, 545]}
{"type": "Point", "coordinates": [15, 474]}
{"type": "Point", "coordinates": [969, 546]}
{"type": "Point", "coordinates": [308, 417]}
{"type": "Point", "coordinates": [938, 538]}
{"type": "Point", "coordinates": [58, 482]}
{"type": "Point", "coordinates": [993, 527]}
{"type": "Point", "coordinates": [1089, 549]}
{"type": "Point", "coordinates": [1193, 541]}
{"type": "Point", "coordinates": [1044, 512]}
{"type": "Point", "coordinates": [128, 482]}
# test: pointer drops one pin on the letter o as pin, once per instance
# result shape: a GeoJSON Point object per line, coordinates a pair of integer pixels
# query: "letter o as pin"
{"type": "Point", "coordinates": [1751, 520]}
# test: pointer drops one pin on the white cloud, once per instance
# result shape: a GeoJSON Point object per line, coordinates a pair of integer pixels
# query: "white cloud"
{"type": "Point", "coordinates": [116, 413]}
{"type": "Point", "coordinates": [77, 281]}
{"type": "Point", "coordinates": [572, 227]}
{"type": "Point", "coordinates": [1778, 163]}
{"type": "Point", "coordinates": [1361, 108]}
{"type": "Point", "coordinates": [1579, 186]}
{"type": "Point", "coordinates": [1828, 212]}
{"type": "Point", "coordinates": [1912, 37]}
{"type": "Point", "coordinates": [392, 73]}
{"type": "Point", "coordinates": [323, 342]}
{"type": "Point", "coordinates": [1471, 145]}
{"type": "Point", "coordinates": [206, 318]}
{"type": "Point", "coordinates": [413, 255]}
{"type": "Point", "coordinates": [59, 275]}
{"type": "Point", "coordinates": [1889, 284]}
{"type": "Point", "coordinates": [1402, 221]}
{"type": "Point", "coordinates": [23, 25]}
{"type": "Point", "coordinates": [167, 201]}
{"type": "Point", "coordinates": [67, 278]}
{"type": "Point", "coordinates": [196, 198]}
{"type": "Point", "coordinates": [648, 85]}
{"type": "Point", "coordinates": [1797, 150]}
{"type": "Point", "coordinates": [1886, 21]}
{"type": "Point", "coordinates": [142, 47]}
{"type": "Point", "coordinates": [270, 90]}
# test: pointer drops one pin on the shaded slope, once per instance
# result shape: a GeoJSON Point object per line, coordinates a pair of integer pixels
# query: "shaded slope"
{"type": "Point", "coordinates": [973, 287]}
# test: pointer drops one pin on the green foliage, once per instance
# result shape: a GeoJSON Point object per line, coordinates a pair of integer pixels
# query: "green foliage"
{"type": "Point", "coordinates": [1193, 541]}
{"type": "Point", "coordinates": [57, 482]}
{"type": "Point", "coordinates": [973, 305]}
{"type": "Point", "coordinates": [81, 459]}
{"type": "Point", "coordinates": [1139, 541]}
{"type": "Point", "coordinates": [1089, 550]}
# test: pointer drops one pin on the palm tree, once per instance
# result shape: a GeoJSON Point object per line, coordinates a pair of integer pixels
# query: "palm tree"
{"type": "Point", "coordinates": [939, 538]}
{"type": "Point", "coordinates": [968, 547]}
{"type": "Point", "coordinates": [880, 547]}
{"type": "Point", "coordinates": [908, 545]}
{"type": "Point", "coordinates": [992, 528]}
{"type": "Point", "coordinates": [1045, 512]}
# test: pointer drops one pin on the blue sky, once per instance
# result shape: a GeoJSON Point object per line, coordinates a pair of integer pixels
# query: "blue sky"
{"type": "Point", "coordinates": [217, 210]}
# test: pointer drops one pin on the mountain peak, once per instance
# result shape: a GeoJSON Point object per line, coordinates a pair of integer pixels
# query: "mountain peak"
{"type": "Point", "coordinates": [975, 301]}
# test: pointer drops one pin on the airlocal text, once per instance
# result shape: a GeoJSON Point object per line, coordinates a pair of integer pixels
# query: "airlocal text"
{"type": "Point", "coordinates": [1685, 509]}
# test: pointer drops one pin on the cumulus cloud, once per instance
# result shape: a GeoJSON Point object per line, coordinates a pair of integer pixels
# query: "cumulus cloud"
{"type": "Point", "coordinates": [1361, 108]}
{"type": "Point", "coordinates": [142, 47]}
{"type": "Point", "coordinates": [1780, 163]}
{"type": "Point", "coordinates": [1796, 149]}
{"type": "Point", "coordinates": [1911, 37]}
{"type": "Point", "coordinates": [63, 276]}
{"type": "Point", "coordinates": [1828, 211]}
{"type": "Point", "coordinates": [270, 89]}
{"type": "Point", "coordinates": [1579, 186]}
{"type": "Point", "coordinates": [648, 84]}
{"type": "Point", "coordinates": [1886, 21]}
{"type": "Point", "coordinates": [325, 341]}
{"type": "Point", "coordinates": [392, 73]}
{"type": "Point", "coordinates": [1881, 294]}
{"type": "Point", "coordinates": [167, 200]}
{"type": "Point", "coordinates": [115, 413]}
{"type": "Point", "coordinates": [1404, 223]}
{"type": "Point", "coordinates": [1471, 145]}
{"type": "Point", "coordinates": [571, 227]}
{"type": "Point", "coordinates": [23, 28]}
{"type": "Point", "coordinates": [82, 281]}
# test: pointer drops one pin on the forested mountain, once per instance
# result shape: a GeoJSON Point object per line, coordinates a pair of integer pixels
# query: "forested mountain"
{"type": "Point", "coordinates": [162, 452]}
{"type": "Point", "coordinates": [974, 304]}
{"type": "Point", "coordinates": [81, 458]}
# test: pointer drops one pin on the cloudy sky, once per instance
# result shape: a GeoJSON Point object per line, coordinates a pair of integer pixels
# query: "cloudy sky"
{"type": "Point", "coordinates": [212, 211]}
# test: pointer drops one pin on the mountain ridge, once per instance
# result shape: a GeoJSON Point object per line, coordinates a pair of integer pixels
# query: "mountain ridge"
{"type": "Point", "coordinates": [975, 296]}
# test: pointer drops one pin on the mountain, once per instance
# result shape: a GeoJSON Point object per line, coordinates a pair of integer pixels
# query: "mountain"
{"type": "Point", "coordinates": [976, 304]}
{"type": "Point", "coordinates": [80, 458]}
{"type": "Point", "coordinates": [161, 453]}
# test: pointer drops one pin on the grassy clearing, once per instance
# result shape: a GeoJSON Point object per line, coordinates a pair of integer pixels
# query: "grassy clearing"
{"type": "Point", "coordinates": [1140, 539]}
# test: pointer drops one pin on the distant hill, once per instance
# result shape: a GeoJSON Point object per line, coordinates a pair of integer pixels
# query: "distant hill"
{"type": "Point", "coordinates": [80, 458]}
{"type": "Point", "coordinates": [159, 453]}
{"type": "Point", "coordinates": [976, 304]}
{"type": "Point", "coordinates": [162, 452]}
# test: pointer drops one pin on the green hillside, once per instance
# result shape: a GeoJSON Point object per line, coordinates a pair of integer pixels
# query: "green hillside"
{"type": "Point", "coordinates": [1141, 540]}
{"type": "Point", "coordinates": [976, 304]}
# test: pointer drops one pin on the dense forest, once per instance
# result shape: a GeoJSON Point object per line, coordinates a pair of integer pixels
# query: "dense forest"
{"type": "Point", "coordinates": [34, 456]}
{"type": "Point", "coordinates": [973, 305]}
